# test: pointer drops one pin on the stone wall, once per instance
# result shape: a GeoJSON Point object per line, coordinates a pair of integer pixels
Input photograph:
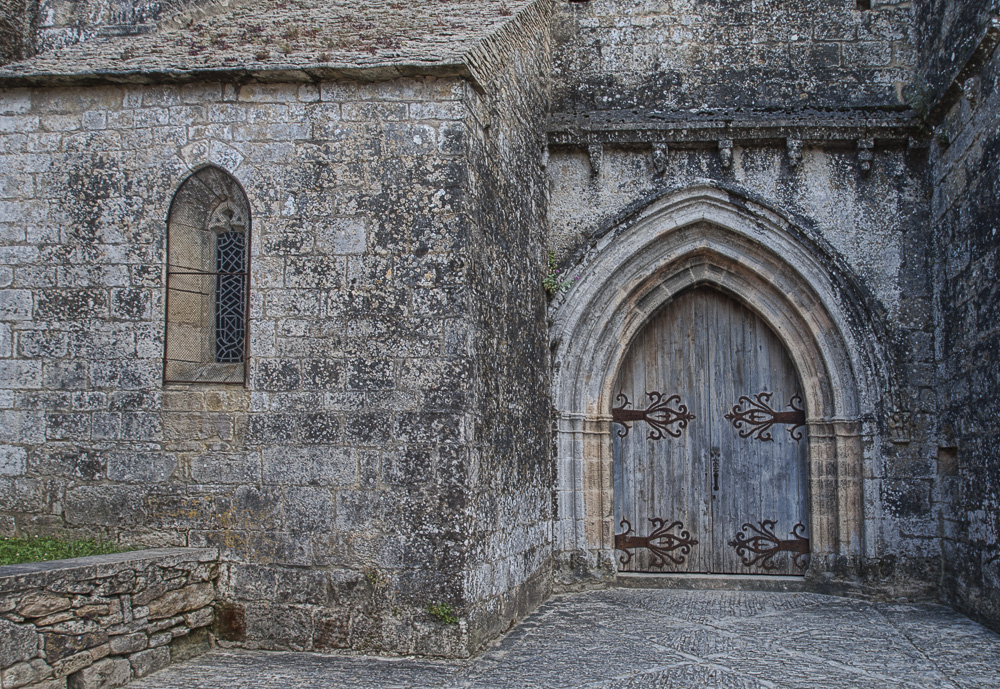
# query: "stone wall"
{"type": "Point", "coordinates": [343, 484]}
{"type": "Point", "coordinates": [947, 33]}
{"type": "Point", "coordinates": [729, 56]}
{"type": "Point", "coordinates": [313, 479]}
{"type": "Point", "coordinates": [101, 621]}
{"type": "Point", "coordinates": [966, 205]}
{"type": "Point", "coordinates": [871, 227]}
{"type": "Point", "coordinates": [510, 527]}
{"type": "Point", "coordinates": [798, 107]}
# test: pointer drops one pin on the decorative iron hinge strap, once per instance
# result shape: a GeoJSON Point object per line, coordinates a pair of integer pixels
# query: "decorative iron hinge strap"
{"type": "Point", "coordinates": [760, 545]}
{"type": "Point", "coordinates": [659, 414]}
{"type": "Point", "coordinates": [660, 552]}
{"type": "Point", "coordinates": [758, 417]}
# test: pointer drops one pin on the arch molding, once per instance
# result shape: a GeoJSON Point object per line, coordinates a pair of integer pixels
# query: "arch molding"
{"type": "Point", "coordinates": [703, 236]}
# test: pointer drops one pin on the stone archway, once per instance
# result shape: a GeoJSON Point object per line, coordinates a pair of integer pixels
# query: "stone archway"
{"type": "Point", "coordinates": [707, 236]}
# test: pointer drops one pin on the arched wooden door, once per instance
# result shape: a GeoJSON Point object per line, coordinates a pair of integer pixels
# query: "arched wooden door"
{"type": "Point", "coordinates": [709, 444]}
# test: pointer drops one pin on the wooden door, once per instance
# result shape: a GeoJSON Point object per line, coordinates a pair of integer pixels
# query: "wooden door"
{"type": "Point", "coordinates": [709, 444]}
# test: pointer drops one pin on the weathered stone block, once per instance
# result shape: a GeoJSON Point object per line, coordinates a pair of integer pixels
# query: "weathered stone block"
{"type": "Point", "coordinates": [22, 427]}
{"type": "Point", "coordinates": [58, 683]}
{"type": "Point", "coordinates": [70, 664]}
{"type": "Point", "coordinates": [103, 505]}
{"type": "Point", "coordinates": [313, 272]}
{"type": "Point", "coordinates": [91, 610]}
{"type": "Point", "coordinates": [190, 645]}
{"type": "Point", "coordinates": [41, 604]}
{"type": "Point", "coordinates": [200, 618]}
{"type": "Point", "coordinates": [20, 643]}
{"type": "Point", "coordinates": [182, 600]}
{"type": "Point", "coordinates": [408, 466]}
{"type": "Point", "coordinates": [321, 466]}
{"type": "Point", "coordinates": [127, 643]}
{"type": "Point", "coordinates": [104, 674]}
{"type": "Point", "coordinates": [429, 427]}
{"type": "Point", "coordinates": [161, 625]}
{"type": "Point", "coordinates": [70, 625]}
{"type": "Point", "coordinates": [343, 236]}
{"type": "Point", "coordinates": [230, 621]}
{"type": "Point", "coordinates": [71, 304]}
{"type": "Point", "coordinates": [308, 509]}
{"type": "Point", "coordinates": [141, 467]}
{"type": "Point", "coordinates": [321, 428]}
{"type": "Point", "coordinates": [67, 426]}
{"type": "Point", "coordinates": [15, 305]}
{"type": "Point", "coordinates": [19, 674]}
{"type": "Point", "coordinates": [275, 375]}
{"type": "Point", "coordinates": [160, 639]}
{"type": "Point", "coordinates": [57, 618]}
{"type": "Point", "coordinates": [145, 662]}
{"type": "Point", "coordinates": [279, 626]}
{"type": "Point", "coordinates": [61, 646]}
{"type": "Point", "coordinates": [331, 629]}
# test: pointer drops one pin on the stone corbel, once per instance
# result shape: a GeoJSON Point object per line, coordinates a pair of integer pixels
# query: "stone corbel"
{"type": "Point", "coordinates": [545, 158]}
{"type": "Point", "coordinates": [865, 154]}
{"type": "Point", "coordinates": [899, 423]}
{"type": "Point", "coordinates": [726, 153]}
{"type": "Point", "coordinates": [794, 148]}
{"type": "Point", "coordinates": [596, 154]}
{"type": "Point", "coordinates": [660, 152]}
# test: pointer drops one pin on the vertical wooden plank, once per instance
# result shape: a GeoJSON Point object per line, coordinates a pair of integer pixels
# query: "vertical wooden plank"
{"type": "Point", "coordinates": [702, 366]}
{"type": "Point", "coordinates": [734, 455]}
{"type": "Point", "coordinates": [637, 439]}
{"type": "Point", "coordinates": [719, 353]}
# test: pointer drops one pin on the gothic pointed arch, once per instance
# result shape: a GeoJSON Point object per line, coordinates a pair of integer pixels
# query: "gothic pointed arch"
{"type": "Point", "coordinates": [707, 236]}
{"type": "Point", "coordinates": [207, 305]}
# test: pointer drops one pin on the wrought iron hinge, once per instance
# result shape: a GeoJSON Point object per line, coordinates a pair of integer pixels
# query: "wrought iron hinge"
{"type": "Point", "coordinates": [760, 545]}
{"type": "Point", "coordinates": [758, 417]}
{"type": "Point", "coordinates": [659, 552]}
{"type": "Point", "coordinates": [659, 414]}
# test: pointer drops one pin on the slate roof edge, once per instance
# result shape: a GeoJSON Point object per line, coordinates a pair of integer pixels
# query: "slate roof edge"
{"type": "Point", "coordinates": [493, 48]}
{"type": "Point", "coordinates": [476, 64]}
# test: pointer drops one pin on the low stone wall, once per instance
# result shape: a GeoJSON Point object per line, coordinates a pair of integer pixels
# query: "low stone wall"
{"type": "Point", "coordinates": [99, 622]}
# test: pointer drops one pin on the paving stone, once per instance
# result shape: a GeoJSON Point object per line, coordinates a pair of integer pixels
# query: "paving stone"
{"type": "Point", "coordinates": [662, 639]}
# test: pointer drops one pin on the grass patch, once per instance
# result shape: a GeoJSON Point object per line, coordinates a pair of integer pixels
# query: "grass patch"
{"type": "Point", "coordinates": [14, 551]}
{"type": "Point", "coordinates": [443, 613]}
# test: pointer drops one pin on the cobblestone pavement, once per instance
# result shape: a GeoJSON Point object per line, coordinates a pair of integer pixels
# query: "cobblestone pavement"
{"type": "Point", "coordinates": [646, 638]}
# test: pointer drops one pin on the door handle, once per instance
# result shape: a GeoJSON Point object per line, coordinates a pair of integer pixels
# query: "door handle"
{"type": "Point", "coordinates": [715, 469]}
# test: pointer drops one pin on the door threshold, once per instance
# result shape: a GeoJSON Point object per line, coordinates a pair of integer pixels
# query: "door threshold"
{"type": "Point", "coordinates": [732, 582]}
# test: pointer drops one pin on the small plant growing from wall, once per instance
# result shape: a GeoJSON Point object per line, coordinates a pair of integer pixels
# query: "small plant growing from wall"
{"type": "Point", "coordinates": [442, 612]}
{"type": "Point", "coordinates": [554, 281]}
{"type": "Point", "coordinates": [376, 579]}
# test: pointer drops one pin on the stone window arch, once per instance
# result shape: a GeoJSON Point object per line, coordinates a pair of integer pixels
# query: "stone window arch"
{"type": "Point", "coordinates": [208, 261]}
